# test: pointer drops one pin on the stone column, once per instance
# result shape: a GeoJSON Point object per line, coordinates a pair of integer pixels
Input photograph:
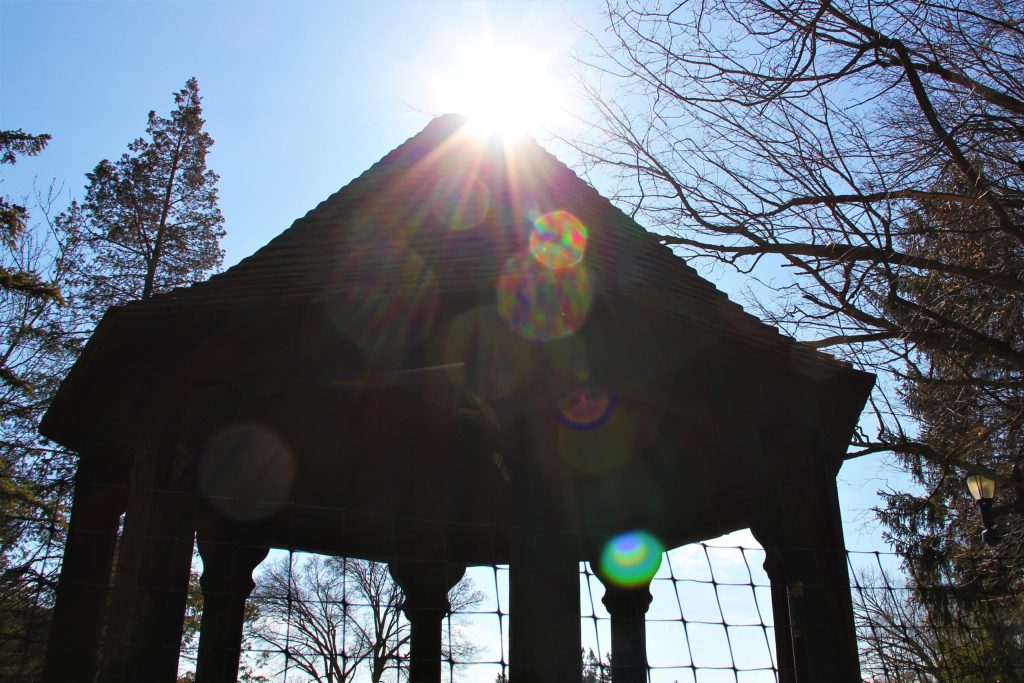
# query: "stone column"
{"type": "Point", "coordinates": [628, 609]}
{"type": "Point", "coordinates": [81, 596]}
{"type": "Point", "coordinates": [147, 609]}
{"type": "Point", "coordinates": [803, 541]}
{"type": "Point", "coordinates": [545, 551]}
{"type": "Point", "coordinates": [226, 582]}
{"type": "Point", "coordinates": [426, 586]}
{"type": "Point", "coordinates": [780, 614]}
{"type": "Point", "coordinates": [544, 605]}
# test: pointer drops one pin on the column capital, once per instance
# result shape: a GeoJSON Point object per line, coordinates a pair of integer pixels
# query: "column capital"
{"type": "Point", "coordinates": [426, 584]}
{"type": "Point", "coordinates": [631, 601]}
{"type": "Point", "coordinates": [628, 609]}
{"type": "Point", "coordinates": [627, 602]}
{"type": "Point", "coordinates": [228, 566]}
{"type": "Point", "coordinates": [226, 582]}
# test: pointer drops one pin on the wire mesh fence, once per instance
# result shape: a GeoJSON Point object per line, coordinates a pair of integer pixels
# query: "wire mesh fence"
{"type": "Point", "coordinates": [711, 618]}
{"type": "Point", "coordinates": [314, 617]}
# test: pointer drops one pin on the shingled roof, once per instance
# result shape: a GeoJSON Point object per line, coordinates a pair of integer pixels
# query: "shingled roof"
{"type": "Point", "coordinates": [395, 200]}
{"type": "Point", "coordinates": [361, 240]}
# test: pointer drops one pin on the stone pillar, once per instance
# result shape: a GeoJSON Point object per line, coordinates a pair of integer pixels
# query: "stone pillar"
{"type": "Point", "coordinates": [426, 586]}
{"type": "Point", "coordinates": [545, 551]}
{"type": "Point", "coordinates": [227, 583]}
{"type": "Point", "coordinates": [803, 541]}
{"type": "Point", "coordinates": [780, 614]}
{"type": "Point", "coordinates": [81, 596]}
{"type": "Point", "coordinates": [544, 610]}
{"type": "Point", "coordinates": [628, 609]}
{"type": "Point", "coordinates": [147, 610]}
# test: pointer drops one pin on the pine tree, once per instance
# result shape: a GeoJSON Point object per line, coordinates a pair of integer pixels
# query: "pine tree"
{"type": "Point", "coordinates": [595, 670]}
{"type": "Point", "coordinates": [969, 406]}
{"type": "Point", "coordinates": [152, 215]}
{"type": "Point", "coordinates": [39, 339]}
{"type": "Point", "coordinates": [14, 217]}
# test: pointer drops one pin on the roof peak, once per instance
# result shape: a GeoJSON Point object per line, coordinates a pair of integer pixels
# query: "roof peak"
{"type": "Point", "coordinates": [444, 172]}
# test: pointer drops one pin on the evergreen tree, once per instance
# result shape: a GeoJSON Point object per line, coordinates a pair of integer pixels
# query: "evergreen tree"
{"type": "Point", "coordinates": [149, 222]}
{"type": "Point", "coordinates": [969, 405]}
{"type": "Point", "coordinates": [39, 339]}
{"type": "Point", "coordinates": [14, 218]}
{"type": "Point", "coordinates": [152, 215]}
{"type": "Point", "coordinates": [595, 670]}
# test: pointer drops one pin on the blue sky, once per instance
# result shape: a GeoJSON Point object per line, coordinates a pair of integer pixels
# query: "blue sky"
{"type": "Point", "coordinates": [300, 97]}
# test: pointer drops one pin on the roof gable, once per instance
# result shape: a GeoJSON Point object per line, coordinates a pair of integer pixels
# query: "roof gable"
{"type": "Point", "coordinates": [444, 221]}
{"type": "Point", "coordinates": [458, 208]}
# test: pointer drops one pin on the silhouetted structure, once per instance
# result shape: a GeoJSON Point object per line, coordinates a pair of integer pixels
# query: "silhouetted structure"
{"type": "Point", "coordinates": [466, 356]}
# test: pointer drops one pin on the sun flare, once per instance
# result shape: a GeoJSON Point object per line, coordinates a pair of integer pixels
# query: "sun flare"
{"type": "Point", "coordinates": [503, 90]}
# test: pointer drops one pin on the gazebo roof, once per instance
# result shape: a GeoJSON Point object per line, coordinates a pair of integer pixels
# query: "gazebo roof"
{"type": "Point", "coordinates": [420, 277]}
{"type": "Point", "coordinates": [395, 200]}
{"type": "Point", "coordinates": [352, 237]}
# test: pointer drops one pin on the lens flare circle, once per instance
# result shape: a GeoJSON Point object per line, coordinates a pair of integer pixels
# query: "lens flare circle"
{"type": "Point", "coordinates": [543, 304]}
{"type": "Point", "coordinates": [460, 201]}
{"type": "Point", "coordinates": [558, 239]}
{"type": "Point", "coordinates": [385, 298]}
{"type": "Point", "coordinates": [631, 559]}
{"type": "Point", "coordinates": [585, 407]}
{"type": "Point", "coordinates": [246, 472]}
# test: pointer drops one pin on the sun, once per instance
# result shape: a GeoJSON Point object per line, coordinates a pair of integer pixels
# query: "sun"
{"type": "Point", "coordinates": [505, 90]}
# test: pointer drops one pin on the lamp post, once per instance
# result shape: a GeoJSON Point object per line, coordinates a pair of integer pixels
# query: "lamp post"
{"type": "Point", "coordinates": [983, 490]}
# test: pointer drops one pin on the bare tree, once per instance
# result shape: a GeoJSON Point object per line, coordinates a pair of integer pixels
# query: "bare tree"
{"type": "Point", "coordinates": [757, 133]}
{"type": "Point", "coordinates": [304, 617]}
{"type": "Point", "coordinates": [904, 639]}
{"type": "Point", "coordinates": [862, 163]}
{"type": "Point", "coordinates": [328, 616]}
{"type": "Point", "coordinates": [381, 632]}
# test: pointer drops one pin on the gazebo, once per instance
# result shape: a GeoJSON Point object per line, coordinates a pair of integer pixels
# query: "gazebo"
{"type": "Point", "coordinates": [466, 356]}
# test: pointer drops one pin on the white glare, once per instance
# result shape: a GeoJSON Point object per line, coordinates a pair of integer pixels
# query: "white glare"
{"type": "Point", "coordinates": [502, 90]}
